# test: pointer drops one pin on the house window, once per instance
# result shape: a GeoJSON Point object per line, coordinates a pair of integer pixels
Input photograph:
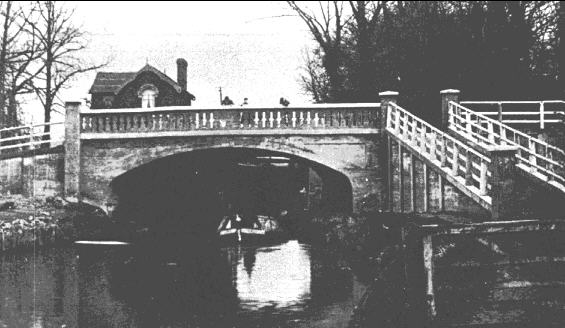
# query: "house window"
{"type": "Point", "coordinates": [148, 99]}
{"type": "Point", "coordinates": [107, 100]}
{"type": "Point", "coordinates": [148, 93]}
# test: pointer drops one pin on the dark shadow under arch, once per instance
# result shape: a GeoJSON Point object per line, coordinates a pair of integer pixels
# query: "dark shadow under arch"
{"type": "Point", "coordinates": [201, 184]}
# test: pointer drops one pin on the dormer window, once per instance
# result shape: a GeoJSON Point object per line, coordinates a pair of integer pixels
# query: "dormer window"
{"type": "Point", "coordinates": [148, 93]}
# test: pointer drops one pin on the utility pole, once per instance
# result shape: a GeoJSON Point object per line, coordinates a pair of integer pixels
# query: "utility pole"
{"type": "Point", "coordinates": [220, 89]}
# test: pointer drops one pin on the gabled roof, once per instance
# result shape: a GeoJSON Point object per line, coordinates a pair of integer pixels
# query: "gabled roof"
{"type": "Point", "coordinates": [114, 82]}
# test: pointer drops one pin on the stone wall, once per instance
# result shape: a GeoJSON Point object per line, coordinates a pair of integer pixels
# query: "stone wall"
{"type": "Point", "coordinates": [33, 175]}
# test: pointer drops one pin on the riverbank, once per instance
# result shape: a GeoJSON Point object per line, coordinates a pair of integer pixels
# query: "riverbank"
{"type": "Point", "coordinates": [28, 222]}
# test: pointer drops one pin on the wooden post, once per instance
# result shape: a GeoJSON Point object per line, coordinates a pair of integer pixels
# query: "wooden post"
{"type": "Point", "coordinates": [443, 153]}
{"type": "Point", "coordinates": [400, 177]}
{"type": "Point", "coordinates": [542, 113]}
{"type": "Point", "coordinates": [502, 167]}
{"type": "Point", "coordinates": [426, 200]}
{"type": "Point", "coordinates": [483, 178]}
{"type": "Point", "coordinates": [441, 196]}
{"type": "Point", "coordinates": [468, 168]}
{"type": "Point", "coordinates": [532, 157]}
{"type": "Point", "coordinates": [500, 112]}
{"type": "Point", "coordinates": [72, 150]}
{"type": "Point", "coordinates": [385, 156]}
{"type": "Point", "coordinates": [429, 272]}
{"type": "Point", "coordinates": [447, 96]}
{"type": "Point", "coordinates": [455, 160]}
{"type": "Point", "coordinates": [412, 184]}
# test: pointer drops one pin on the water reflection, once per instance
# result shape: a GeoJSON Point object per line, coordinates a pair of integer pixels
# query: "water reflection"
{"type": "Point", "coordinates": [277, 276]}
{"type": "Point", "coordinates": [271, 286]}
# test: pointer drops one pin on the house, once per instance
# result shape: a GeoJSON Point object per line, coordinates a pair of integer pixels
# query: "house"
{"type": "Point", "coordinates": [145, 88]}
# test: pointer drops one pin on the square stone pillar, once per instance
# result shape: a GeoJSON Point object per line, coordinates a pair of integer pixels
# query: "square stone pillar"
{"type": "Point", "coordinates": [72, 150]}
{"type": "Point", "coordinates": [447, 96]}
{"type": "Point", "coordinates": [503, 170]}
{"type": "Point", "coordinates": [385, 165]}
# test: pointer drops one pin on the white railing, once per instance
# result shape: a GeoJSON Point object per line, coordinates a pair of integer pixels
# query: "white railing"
{"type": "Point", "coordinates": [28, 137]}
{"type": "Point", "coordinates": [451, 155]}
{"type": "Point", "coordinates": [185, 118]}
{"type": "Point", "coordinates": [538, 156]}
{"type": "Point", "coordinates": [539, 113]}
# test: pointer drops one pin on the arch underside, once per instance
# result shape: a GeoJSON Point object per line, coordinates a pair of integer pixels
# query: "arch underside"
{"type": "Point", "coordinates": [354, 158]}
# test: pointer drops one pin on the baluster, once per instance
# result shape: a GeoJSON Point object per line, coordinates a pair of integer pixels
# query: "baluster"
{"type": "Point", "coordinates": [106, 124]}
{"type": "Point", "coordinates": [455, 163]}
{"type": "Point", "coordinates": [279, 119]}
{"type": "Point", "coordinates": [483, 178]}
{"type": "Point", "coordinates": [128, 123]}
{"type": "Point", "coordinates": [316, 120]}
{"type": "Point", "coordinates": [204, 120]}
{"type": "Point", "coordinates": [143, 123]}
{"type": "Point", "coordinates": [533, 151]}
{"type": "Point", "coordinates": [433, 145]}
{"type": "Point", "coordinates": [468, 125]}
{"type": "Point", "coordinates": [414, 133]}
{"type": "Point", "coordinates": [468, 168]}
{"type": "Point", "coordinates": [323, 120]}
{"type": "Point", "coordinates": [211, 120]}
{"type": "Point", "coordinates": [293, 119]}
{"type": "Point", "coordinates": [264, 120]}
{"type": "Point", "coordinates": [135, 123]}
{"type": "Point", "coordinates": [396, 121]}
{"type": "Point", "coordinates": [443, 153]}
{"type": "Point", "coordinates": [503, 139]}
{"type": "Point", "coordinates": [490, 132]}
{"type": "Point", "coordinates": [271, 119]}
{"type": "Point", "coordinates": [451, 114]}
{"type": "Point", "coordinates": [114, 119]}
{"type": "Point", "coordinates": [308, 119]}
{"type": "Point", "coordinates": [301, 119]}
{"type": "Point", "coordinates": [423, 139]}
{"type": "Point", "coordinates": [197, 120]}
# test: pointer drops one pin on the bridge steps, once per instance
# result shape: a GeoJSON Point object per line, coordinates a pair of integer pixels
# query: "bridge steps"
{"type": "Point", "coordinates": [432, 171]}
{"type": "Point", "coordinates": [536, 158]}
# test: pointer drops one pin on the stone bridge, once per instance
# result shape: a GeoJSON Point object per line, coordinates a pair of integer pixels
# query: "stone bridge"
{"type": "Point", "coordinates": [102, 145]}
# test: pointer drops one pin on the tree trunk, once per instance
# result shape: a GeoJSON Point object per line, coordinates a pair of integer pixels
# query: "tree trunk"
{"type": "Point", "coordinates": [561, 47]}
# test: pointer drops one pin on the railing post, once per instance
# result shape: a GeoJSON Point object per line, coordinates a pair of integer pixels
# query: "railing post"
{"type": "Point", "coordinates": [387, 97]}
{"type": "Point", "coordinates": [72, 149]}
{"type": "Point", "coordinates": [503, 170]}
{"type": "Point", "coordinates": [542, 113]}
{"type": "Point", "coordinates": [447, 96]}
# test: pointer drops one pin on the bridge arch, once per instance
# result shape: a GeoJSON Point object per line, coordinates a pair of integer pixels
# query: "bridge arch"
{"type": "Point", "coordinates": [353, 157]}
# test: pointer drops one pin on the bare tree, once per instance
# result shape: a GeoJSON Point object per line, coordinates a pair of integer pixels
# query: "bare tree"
{"type": "Point", "coordinates": [61, 44]}
{"type": "Point", "coordinates": [18, 51]}
{"type": "Point", "coordinates": [327, 29]}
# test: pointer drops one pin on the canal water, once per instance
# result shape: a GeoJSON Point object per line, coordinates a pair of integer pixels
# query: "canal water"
{"type": "Point", "coordinates": [290, 284]}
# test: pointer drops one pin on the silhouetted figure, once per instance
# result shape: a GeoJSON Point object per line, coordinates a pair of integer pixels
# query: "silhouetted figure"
{"type": "Point", "coordinates": [245, 103]}
{"type": "Point", "coordinates": [284, 102]}
{"type": "Point", "coordinates": [227, 101]}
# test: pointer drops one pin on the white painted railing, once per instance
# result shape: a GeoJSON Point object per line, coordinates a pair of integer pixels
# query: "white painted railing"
{"type": "Point", "coordinates": [28, 137]}
{"type": "Point", "coordinates": [539, 157]}
{"type": "Point", "coordinates": [536, 113]}
{"type": "Point", "coordinates": [451, 155]}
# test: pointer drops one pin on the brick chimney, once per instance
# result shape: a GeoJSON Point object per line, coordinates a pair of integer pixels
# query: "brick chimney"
{"type": "Point", "coordinates": [181, 73]}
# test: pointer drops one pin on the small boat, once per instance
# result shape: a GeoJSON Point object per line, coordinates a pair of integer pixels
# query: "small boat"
{"type": "Point", "coordinates": [235, 229]}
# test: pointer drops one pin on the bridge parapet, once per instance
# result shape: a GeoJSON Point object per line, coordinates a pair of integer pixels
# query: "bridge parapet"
{"type": "Point", "coordinates": [322, 117]}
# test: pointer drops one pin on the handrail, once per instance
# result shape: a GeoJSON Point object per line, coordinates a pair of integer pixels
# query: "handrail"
{"type": "Point", "coordinates": [29, 126]}
{"type": "Point", "coordinates": [536, 154]}
{"type": "Point", "coordinates": [451, 155]}
{"type": "Point", "coordinates": [27, 137]}
{"type": "Point", "coordinates": [539, 116]}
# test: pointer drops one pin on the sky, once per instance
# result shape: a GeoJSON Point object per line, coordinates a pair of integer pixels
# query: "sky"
{"type": "Point", "coordinates": [250, 49]}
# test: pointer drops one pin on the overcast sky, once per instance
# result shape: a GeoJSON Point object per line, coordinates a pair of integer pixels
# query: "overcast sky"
{"type": "Point", "coordinates": [247, 48]}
